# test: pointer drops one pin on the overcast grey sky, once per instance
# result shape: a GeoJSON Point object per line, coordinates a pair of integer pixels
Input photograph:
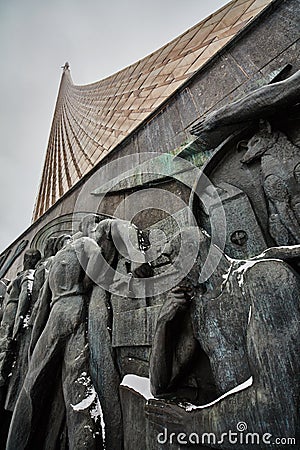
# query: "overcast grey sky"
{"type": "Point", "coordinates": [37, 37]}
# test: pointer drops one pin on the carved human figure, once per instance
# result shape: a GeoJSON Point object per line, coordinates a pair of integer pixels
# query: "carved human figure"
{"type": "Point", "coordinates": [43, 266]}
{"type": "Point", "coordinates": [71, 294]}
{"type": "Point", "coordinates": [17, 303]}
{"type": "Point", "coordinates": [260, 103]}
{"type": "Point", "coordinates": [22, 329]}
{"type": "Point", "coordinates": [117, 239]}
{"type": "Point", "coordinates": [280, 164]}
{"type": "Point", "coordinates": [60, 328]}
{"type": "Point", "coordinates": [52, 245]}
{"type": "Point", "coordinates": [245, 318]}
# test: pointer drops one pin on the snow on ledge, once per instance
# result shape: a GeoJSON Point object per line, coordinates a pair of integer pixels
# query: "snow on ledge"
{"type": "Point", "coordinates": [238, 388]}
{"type": "Point", "coordinates": [141, 385]}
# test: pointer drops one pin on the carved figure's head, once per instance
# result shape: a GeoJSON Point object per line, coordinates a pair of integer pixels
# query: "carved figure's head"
{"type": "Point", "coordinates": [88, 225]}
{"type": "Point", "coordinates": [260, 142]}
{"type": "Point", "coordinates": [121, 236]}
{"type": "Point", "coordinates": [31, 258]}
{"type": "Point", "coordinates": [49, 248]}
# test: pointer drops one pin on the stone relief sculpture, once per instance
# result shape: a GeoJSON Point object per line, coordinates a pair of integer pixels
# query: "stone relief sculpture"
{"type": "Point", "coordinates": [245, 318]}
{"type": "Point", "coordinates": [23, 327]}
{"type": "Point", "coordinates": [219, 325]}
{"type": "Point", "coordinates": [239, 327]}
{"type": "Point", "coordinates": [280, 170]}
{"type": "Point", "coordinates": [117, 239]}
{"type": "Point", "coordinates": [273, 153]}
{"type": "Point", "coordinates": [72, 322]}
{"type": "Point", "coordinates": [16, 306]}
{"type": "Point", "coordinates": [210, 338]}
{"type": "Point", "coordinates": [61, 318]}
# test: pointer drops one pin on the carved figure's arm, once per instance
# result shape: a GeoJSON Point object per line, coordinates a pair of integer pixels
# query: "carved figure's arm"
{"type": "Point", "coordinates": [173, 344]}
{"type": "Point", "coordinates": [96, 266]}
{"type": "Point", "coordinates": [257, 104]}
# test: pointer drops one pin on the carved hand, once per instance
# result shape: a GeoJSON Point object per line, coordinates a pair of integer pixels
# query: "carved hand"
{"type": "Point", "coordinates": [178, 299]}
